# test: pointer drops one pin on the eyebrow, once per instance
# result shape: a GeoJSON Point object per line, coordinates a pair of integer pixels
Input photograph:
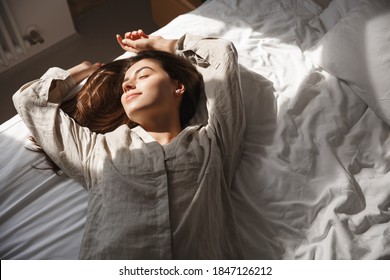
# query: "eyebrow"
{"type": "Point", "coordinates": [137, 71]}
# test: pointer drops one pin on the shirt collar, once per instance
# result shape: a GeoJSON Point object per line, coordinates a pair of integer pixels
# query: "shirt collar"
{"type": "Point", "coordinates": [143, 134]}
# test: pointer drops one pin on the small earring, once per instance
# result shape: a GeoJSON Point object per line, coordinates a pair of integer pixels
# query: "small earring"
{"type": "Point", "coordinates": [177, 91]}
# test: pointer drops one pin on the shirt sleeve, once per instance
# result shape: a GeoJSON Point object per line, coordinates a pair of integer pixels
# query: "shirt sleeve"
{"type": "Point", "coordinates": [217, 61]}
{"type": "Point", "coordinates": [63, 140]}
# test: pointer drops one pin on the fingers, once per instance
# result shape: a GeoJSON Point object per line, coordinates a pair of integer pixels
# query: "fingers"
{"type": "Point", "coordinates": [135, 35]}
{"type": "Point", "coordinates": [128, 45]}
{"type": "Point", "coordinates": [124, 44]}
{"type": "Point", "coordinates": [97, 65]}
{"type": "Point", "coordinates": [119, 40]}
{"type": "Point", "coordinates": [128, 42]}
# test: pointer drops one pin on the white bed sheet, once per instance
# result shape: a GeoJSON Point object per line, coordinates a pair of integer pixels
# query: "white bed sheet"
{"type": "Point", "coordinates": [313, 182]}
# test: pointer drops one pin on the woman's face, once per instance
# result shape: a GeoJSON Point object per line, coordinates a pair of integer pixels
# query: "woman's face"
{"type": "Point", "coordinates": [148, 91]}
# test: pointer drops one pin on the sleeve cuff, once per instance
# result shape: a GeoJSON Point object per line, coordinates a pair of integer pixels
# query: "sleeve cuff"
{"type": "Point", "coordinates": [62, 88]}
{"type": "Point", "coordinates": [189, 46]}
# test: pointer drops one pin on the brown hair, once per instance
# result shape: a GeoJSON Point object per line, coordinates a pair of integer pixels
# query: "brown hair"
{"type": "Point", "coordinates": [98, 104]}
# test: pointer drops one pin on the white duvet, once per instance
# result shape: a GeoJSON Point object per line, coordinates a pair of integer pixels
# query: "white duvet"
{"type": "Point", "coordinates": [314, 178]}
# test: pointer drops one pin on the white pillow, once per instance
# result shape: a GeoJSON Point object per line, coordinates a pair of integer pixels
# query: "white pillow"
{"type": "Point", "coordinates": [357, 50]}
{"type": "Point", "coordinates": [335, 11]}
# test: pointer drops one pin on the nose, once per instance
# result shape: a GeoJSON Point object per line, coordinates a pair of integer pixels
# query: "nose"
{"type": "Point", "coordinates": [127, 85]}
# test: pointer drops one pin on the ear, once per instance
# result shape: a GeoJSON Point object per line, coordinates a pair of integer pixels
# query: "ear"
{"type": "Point", "coordinates": [180, 89]}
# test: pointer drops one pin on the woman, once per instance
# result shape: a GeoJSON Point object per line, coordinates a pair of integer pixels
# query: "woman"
{"type": "Point", "coordinates": [161, 189]}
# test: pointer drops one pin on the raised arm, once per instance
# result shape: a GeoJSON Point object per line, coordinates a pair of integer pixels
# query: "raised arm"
{"type": "Point", "coordinates": [38, 104]}
{"type": "Point", "coordinates": [216, 59]}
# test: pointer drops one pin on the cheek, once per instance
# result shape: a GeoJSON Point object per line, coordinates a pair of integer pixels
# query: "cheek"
{"type": "Point", "coordinates": [157, 91]}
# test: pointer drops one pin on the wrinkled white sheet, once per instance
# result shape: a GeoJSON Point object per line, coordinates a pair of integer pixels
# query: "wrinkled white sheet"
{"type": "Point", "coordinates": [314, 179]}
{"type": "Point", "coordinates": [42, 215]}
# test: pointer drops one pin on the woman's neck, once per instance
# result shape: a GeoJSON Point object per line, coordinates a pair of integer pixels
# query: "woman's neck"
{"type": "Point", "coordinates": [164, 137]}
{"type": "Point", "coordinates": [163, 131]}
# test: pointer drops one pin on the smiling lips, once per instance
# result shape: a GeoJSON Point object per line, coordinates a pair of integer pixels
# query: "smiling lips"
{"type": "Point", "coordinates": [131, 96]}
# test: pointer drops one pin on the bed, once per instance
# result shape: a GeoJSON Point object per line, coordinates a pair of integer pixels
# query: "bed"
{"type": "Point", "coordinates": [314, 178]}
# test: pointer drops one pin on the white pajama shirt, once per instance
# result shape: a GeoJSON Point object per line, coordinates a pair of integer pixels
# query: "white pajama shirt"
{"type": "Point", "coordinates": [146, 200]}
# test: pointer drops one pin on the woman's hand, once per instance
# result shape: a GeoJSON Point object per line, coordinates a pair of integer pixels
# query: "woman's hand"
{"type": "Point", "coordinates": [83, 70]}
{"type": "Point", "coordinates": [136, 41]}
